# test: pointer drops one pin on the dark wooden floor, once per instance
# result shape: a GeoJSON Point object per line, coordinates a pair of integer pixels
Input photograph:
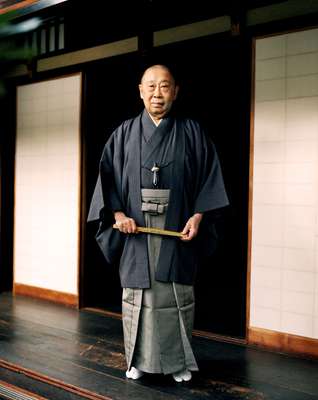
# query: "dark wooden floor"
{"type": "Point", "coordinates": [85, 351]}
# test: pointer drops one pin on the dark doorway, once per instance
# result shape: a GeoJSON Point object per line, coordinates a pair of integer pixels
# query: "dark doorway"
{"type": "Point", "coordinates": [110, 97]}
{"type": "Point", "coordinates": [7, 151]}
{"type": "Point", "coordinates": [215, 90]}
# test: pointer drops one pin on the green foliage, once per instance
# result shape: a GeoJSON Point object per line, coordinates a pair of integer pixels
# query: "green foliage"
{"type": "Point", "coordinates": [7, 17]}
{"type": "Point", "coordinates": [11, 52]}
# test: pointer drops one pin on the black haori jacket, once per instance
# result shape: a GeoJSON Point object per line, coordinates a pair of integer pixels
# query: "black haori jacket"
{"type": "Point", "coordinates": [196, 186]}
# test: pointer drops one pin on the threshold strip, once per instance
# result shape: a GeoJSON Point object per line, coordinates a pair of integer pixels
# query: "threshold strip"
{"type": "Point", "coordinates": [11, 392]}
{"type": "Point", "coordinates": [87, 394]}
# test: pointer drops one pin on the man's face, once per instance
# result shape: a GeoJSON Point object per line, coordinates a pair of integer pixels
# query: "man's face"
{"type": "Point", "coordinates": [158, 91]}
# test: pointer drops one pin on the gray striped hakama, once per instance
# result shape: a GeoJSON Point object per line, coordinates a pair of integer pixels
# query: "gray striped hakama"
{"type": "Point", "coordinates": [158, 321]}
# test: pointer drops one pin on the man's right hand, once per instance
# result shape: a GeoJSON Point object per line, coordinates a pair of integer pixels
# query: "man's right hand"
{"type": "Point", "coordinates": [124, 223]}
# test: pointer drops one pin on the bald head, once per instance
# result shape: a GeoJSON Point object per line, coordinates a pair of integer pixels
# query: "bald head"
{"type": "Point", "coordinates": [158, 90]}
{"type": "Point", "coordinates": [157, 67]}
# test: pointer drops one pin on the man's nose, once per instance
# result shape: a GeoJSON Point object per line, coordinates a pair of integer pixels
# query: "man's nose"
{"type": "Point", "coordinates": [157, 92]}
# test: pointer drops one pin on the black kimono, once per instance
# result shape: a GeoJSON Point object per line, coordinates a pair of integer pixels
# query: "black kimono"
{"type": "Point", "coordinates": [190, 164]}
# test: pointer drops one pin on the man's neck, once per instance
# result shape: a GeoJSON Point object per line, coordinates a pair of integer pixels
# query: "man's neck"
{"type": "Point", "coordinates": [155, 121]}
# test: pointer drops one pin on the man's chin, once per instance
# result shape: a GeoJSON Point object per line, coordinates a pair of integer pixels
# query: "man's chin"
{"type": "Point", "coordinates": [158, 113]}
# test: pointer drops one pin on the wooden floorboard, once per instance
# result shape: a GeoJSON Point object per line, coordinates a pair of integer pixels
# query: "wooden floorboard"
{"type": "Point", "coordinates": [36, 387]}
{"type": "Point", "coordinates": [85, 349]}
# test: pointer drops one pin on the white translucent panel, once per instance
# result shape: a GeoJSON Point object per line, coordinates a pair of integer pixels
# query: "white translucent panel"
{"type": "Point", "coordinates": [300, 194]}
{"type": "Point", "coordinates": [270, 120]}
{"type": "Point", "coordinates": [55, 87]}
{"type": "Point", "coordinates": [299, 281]}
{"type": "Point", "coordinates": [269, 152]}
{"type": "Point", "coordinates": [302, 119]}
{"type": "Point", "coordinates": [268, 173]}
{"type": "Point", "coordinates": [267, 318]}
{"type": "Point", "coordinates": [271, 47]}
{"type": "Point", "coordinates": [268, 193]}
{"type": "Point", "coordinates": [299, 259]}
{"type": "Point", "coordinates": [301, 173]}
{"type": "Point", "coordinates": [267, 256]}
{"type": "Point", "coordinates": [301, 151]}
{"type": "Point", "coordinates": [47, 185]}
{"type": "Point", "coordinates": [267, 278]}
{"type": "Point", "coordinates": [284, 260]}
{"type": "Point", "coordinates": [297, 324]}
{"type": "Point", "coordinates": [56, 103]}
{"type": "Point", "coordinates": [302, 64]}
{"type": "Point", "coordinates": [268, 214]}
{"type": "Point", "coordinates": [302, 86]}
{"type": "Point", "coordinates": [302, 42]}
{"type": "Point", "coordinates": [266, 297]}
{"type": "Point", "coordinates": [270, 69]}
{"type": "Point", "coordinates": [41, 103]}
{"type": "Point", "coordinates": [315, 333]}
{"type": "Point", "coordinates": [274, 89]}
{"type": "Point", "coordinates": [300, 216]}
{"type": "Point", "coordinates": [298, 302]}
{"type": "Point", "coordinates": [316, 301]}
{"type": "Point", "coordinates": [268, 223]}
{"type": "Point", "coordinates": [299, 238]}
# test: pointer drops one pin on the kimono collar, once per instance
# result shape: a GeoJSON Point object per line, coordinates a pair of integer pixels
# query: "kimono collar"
{"type": "Point", "coordinates": [149, 128]}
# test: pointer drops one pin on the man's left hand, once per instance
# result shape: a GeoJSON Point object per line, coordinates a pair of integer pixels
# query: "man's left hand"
{"type": "Point", "coordinates": [191, 228]}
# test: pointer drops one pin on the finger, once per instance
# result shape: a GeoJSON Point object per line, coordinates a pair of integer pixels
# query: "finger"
{"type": "Point", "coordinates": [120, 226]}
{"type": "Point", "coordinates": [130, 228]}
{"type": "Point", "coordinates": [124, 226]}
{"type": "Point", "coordinates": [185, 236]}
{"type": "Point", "coordinates": [186, 229]}
{"type": "Point", "coordinates": [133, 226]}
{"type": "Point", "coordinates": [194, 231]}
{"type": "Point", "coordinates": [190, 235]}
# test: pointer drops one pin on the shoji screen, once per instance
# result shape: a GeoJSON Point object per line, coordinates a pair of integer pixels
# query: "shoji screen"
{"type": "Point", "coordinates": [47, 185]}
{"type": "Point", "coordinates": [284, 270]}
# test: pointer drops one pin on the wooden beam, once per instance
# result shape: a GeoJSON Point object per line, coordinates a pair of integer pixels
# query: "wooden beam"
{"type": "Point", "coordinates": [283, 342]}
{"type": "Point", "coordinates": [67, 299]}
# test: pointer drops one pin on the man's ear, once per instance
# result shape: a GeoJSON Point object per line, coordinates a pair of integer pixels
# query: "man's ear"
{"type": "Point", "coordinates": [140, 91]}
{"type": "Point", "coordinates": [176, 91]}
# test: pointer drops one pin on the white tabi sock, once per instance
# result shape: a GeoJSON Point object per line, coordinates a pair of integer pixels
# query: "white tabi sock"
{"type": "Point", "coordinates": [134, 373]}
{"type": "Point", "coordinates": [184, 375]}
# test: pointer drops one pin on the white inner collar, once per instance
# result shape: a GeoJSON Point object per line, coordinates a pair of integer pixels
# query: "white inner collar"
{"type": "Point", "coordinates": [154, 121]}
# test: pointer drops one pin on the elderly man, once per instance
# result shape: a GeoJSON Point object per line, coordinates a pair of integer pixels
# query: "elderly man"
{"type": "Point", "coordinates": [162, 172]}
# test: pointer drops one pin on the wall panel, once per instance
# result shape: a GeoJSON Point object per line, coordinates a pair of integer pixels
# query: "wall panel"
{"type": "Point", "coordinates": [47, 185]}
{"type": "Point", "coordinates": [284, 263]}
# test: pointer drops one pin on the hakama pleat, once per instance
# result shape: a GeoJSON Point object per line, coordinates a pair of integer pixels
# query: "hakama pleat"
{"type": "Point", "coordinates": [158, 321]}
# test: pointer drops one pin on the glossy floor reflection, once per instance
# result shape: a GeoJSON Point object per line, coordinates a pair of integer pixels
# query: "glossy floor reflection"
{"type": "Point", "coordinates": [84, 350]}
